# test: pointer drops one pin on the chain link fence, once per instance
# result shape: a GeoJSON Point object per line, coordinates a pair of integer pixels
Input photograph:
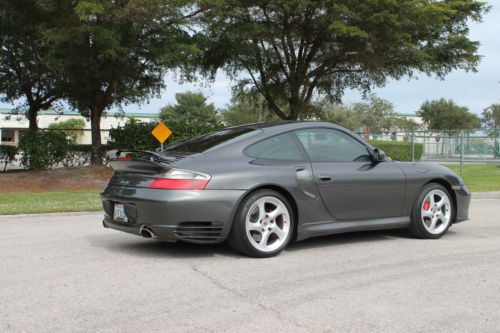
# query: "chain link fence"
{"type": "Point", "coordinates": [451, 147]}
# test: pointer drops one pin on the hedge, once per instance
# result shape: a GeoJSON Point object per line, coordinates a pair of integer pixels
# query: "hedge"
{"type": "Point", "coordinates": [398, 150]}
{"type": "Point", "coordinates": [7, 155]}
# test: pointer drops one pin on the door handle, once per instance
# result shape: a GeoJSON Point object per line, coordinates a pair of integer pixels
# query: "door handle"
{"type": "Point", "coordinates": [324, 178]}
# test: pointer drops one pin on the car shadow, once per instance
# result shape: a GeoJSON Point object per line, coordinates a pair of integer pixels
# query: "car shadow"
{"type": "Point", "coordinates": [134, 246]}
{"type": "Point", "coordinates": [349, 238]}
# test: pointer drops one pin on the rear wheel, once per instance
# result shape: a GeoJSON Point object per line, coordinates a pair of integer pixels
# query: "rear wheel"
{"type": "Point", "coordinates": [432, 212]}
{"type": "Point", "coordinates": [263, 225]}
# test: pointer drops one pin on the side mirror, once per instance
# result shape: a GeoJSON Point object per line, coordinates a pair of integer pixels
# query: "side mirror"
{"type": "Point", "coordinates": [378, 155]}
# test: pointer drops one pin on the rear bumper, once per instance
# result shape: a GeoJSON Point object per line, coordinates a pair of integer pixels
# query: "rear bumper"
{"type": "Point", "coordinates": [192, 216]}
{"type": "Point", "coordinates": [463, 196]}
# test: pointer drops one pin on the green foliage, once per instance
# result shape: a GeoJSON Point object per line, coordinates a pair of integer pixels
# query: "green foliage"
{"type": "Point", "coordinates": [246, 109]}
{"type": "Point", "coordinates": [297, 49]}
{"type": "Point", "coordinates": [43, 149]}
{"type": "Point", "coordinates": [374, 113]}
{"type": "Point", "coordinates": [377, 114]}
{"type": "Point", "coordinates": [340, 114]}
{"type": "Point", "coordinates": [190, 116]}
{"type": "Point", "coordinates": [490, 118]}
{"type": "Point", "coordinates": [407, 125]}
{"type": "Point", "coordinates": [7, 155]}
{"type": "Point", "coordinates": [444, 114]}
{"type": "Point", "coordinates": [23, 75]}
{"type": "Point", "coordinates": [110, 53]}
{"type": "Point", "coordinates": [399, 151]}
{"type": "Point", "coordinates": [135, 134]}
{"type": "Point", "coordinates": [72, 128]}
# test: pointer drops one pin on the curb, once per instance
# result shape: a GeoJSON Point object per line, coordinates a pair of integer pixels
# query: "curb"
{"type": "Point", "coordinates": [475, 196]}
{"type": "Point", "coordinates": [50, 214]}
{"type": "Point", "coordinates": [486, 195]}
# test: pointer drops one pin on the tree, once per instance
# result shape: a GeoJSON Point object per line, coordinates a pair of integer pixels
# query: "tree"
{"type": "Point", "coordinates": [407, 125]}
{"type": "Point", "coordinates": [376, 114]}
{"type": "Point", "coordinates": [338, 114]}
{"type": "Point", "coordinates": [490, 119]}
{"type": "Point", "coordinates": [246, 109]}
{"type": "Point", "coordinates": [296, 49]}
{"type": "Point", "coordinates": [109, 53]}
{"type": "Point", "coordinates": [444, 114]}
{"type": "Point", "coordinates": [72, 128]}
{"type": "Point", "coordinates": [22, 75]}
{"type": "Point", "coordinates": [190, 116]}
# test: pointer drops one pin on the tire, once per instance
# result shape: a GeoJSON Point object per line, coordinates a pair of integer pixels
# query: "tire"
{"type": "Point", "coordinates": [428, 210]}
{"type": "Point", "coordinates": [263, 216]}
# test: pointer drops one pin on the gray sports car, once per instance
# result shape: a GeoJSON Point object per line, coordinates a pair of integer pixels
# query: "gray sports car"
{"type": "Point", "coordinates": [261, 186]}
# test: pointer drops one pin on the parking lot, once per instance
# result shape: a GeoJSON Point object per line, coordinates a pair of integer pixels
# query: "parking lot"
{"type": "Point", "coordinates": [65, 272]}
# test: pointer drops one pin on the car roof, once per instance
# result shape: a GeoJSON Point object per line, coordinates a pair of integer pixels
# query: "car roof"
{"type": "Point", "coordinates": [287, 125]}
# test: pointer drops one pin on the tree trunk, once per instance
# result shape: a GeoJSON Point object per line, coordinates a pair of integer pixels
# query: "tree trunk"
{"type": "Point", "coordinates": [95, 123]}
{"type": "Point", "coordinates": [32, 118]}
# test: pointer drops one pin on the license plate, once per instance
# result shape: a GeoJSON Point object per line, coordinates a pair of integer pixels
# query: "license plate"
{"type": "Point", "coordinates": [119, 214]}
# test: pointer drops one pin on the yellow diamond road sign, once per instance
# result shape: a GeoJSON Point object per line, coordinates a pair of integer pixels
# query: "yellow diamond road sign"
{"type": "Point", "coordinates": [161, 132]}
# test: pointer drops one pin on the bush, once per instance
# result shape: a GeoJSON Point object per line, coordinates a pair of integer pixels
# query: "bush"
{"type": "Point", "coordinates": [43, 149]}
{"type": "Point", "coordinates": [79, 155]}
{"type": "Point", "coordinates": [399, 151]}
{"type": "Point", "coordinates": [7, 155]}
{"type": "Point", "coordinates": [133, 135]}
{"type": "Point", "coordinates": [73, 128]}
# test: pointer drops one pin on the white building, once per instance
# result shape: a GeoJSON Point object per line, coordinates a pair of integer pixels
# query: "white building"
{"type": "Point", "coordinates": [13, 124]}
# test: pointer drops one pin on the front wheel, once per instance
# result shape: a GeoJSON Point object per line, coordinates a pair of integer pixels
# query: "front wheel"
{"type": "Point", "coordinates": [432, 212]}
{"type": "Point", "coordinates": [263, 225]}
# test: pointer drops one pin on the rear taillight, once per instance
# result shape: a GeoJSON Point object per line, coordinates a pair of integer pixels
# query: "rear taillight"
{"type": "Point", "coordinates": [180, 180]}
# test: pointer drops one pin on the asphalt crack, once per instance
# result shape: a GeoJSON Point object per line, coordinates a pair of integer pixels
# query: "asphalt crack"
{"type": "Point", "coordinates": [245, 298]}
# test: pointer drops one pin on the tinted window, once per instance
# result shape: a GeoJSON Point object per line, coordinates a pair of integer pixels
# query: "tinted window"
{"type": "Point", "coordinates": [327, 145]}
{"type": "Point", "coordinates": [208, 141]}
{"type": "Point", "coordinates": [282, 147]}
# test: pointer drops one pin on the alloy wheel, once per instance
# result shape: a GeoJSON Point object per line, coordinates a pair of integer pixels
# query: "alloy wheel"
{"type": "Point", "coordinates": [267, 224]}
{"type": "Point", "coordinates": [436, 211]}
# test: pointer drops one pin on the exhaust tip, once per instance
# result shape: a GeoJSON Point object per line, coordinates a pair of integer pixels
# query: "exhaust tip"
{"type": "Point", "coordinates": [146, 232]}
{"type": "Point", "coordinates": [104, 223]}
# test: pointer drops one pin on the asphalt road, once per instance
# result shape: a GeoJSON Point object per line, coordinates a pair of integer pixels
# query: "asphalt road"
{"type": "Point", "coordinates": [67, 273]}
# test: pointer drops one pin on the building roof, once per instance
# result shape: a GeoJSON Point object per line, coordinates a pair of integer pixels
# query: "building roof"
{"type": "Point", "coordinates": [76, 113]}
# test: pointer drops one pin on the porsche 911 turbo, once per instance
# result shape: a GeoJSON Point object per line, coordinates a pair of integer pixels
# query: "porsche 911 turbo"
{"type": "Point", "coordinates": [261, 186]}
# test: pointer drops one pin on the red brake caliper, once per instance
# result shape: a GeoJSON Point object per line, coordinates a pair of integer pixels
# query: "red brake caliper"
{"type": "Point", "coordinates": [427, 204]}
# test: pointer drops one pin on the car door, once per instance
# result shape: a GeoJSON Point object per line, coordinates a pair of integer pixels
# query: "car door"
{"type": "Point", "coordinates": [350, 184]}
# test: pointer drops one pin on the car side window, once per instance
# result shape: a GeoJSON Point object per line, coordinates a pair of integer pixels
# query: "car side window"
{"type": "Point", "coordinates": [329, 145]}
{"type": "Point", "coordinates": [282, 147]}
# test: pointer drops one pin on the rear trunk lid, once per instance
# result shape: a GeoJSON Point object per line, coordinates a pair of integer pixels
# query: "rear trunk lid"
{"type": "Point", "coordinates": [138, 168]}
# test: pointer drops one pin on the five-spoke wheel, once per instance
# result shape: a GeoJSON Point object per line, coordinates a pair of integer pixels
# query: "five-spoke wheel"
{"type": "Point", "coordinates": [268, 224]}
{"type": "Point", "coordinates": [432, 212]}
{"type": "Point", "coordinates": [263, 224]}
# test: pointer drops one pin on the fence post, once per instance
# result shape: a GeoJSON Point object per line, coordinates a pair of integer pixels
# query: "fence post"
{"type": "Point", "coordinates": [0, 136]}
{"type": "Point", "coordinates": [413, 146]}
{"type": "Point", "coordinates": [461, 153]}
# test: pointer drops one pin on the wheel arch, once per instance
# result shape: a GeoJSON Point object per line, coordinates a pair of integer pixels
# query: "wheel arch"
{"type": "Point", "coordinates": [281, 190]}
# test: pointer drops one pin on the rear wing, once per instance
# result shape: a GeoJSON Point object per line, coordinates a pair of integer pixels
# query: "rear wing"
{"type": "Point", "coordinates": [139, 161]}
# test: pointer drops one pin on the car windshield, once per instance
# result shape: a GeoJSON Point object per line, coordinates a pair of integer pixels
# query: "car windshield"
{"type": "Point", "coordinates": [205, 142]}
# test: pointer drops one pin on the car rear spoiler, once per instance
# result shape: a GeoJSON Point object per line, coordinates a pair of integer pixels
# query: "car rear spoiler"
{"type": "Point", "coordinates": [140, 161]}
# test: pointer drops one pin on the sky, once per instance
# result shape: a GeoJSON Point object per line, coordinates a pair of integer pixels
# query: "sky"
{"type": "Point", "coordinates": [474, 90]}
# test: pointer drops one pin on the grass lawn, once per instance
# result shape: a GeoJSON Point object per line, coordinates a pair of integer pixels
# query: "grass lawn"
{"type": "Point", "coordinates": [49, 202]}
{"type": "Point", "coordinates": [480, 177]}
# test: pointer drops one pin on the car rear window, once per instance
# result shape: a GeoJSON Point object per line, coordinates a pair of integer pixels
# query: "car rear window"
{"type": "Point", "coordinates": [283, 147]}
{"type": "Point", "coordinates": [205, 142]}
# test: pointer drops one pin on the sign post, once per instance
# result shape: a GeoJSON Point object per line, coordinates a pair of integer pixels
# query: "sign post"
{"type": "Point", "coordinates": [161, 133]}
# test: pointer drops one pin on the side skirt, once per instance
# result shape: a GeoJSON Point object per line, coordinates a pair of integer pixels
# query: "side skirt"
{"type": "Point", "coordinates": [337, 227]}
